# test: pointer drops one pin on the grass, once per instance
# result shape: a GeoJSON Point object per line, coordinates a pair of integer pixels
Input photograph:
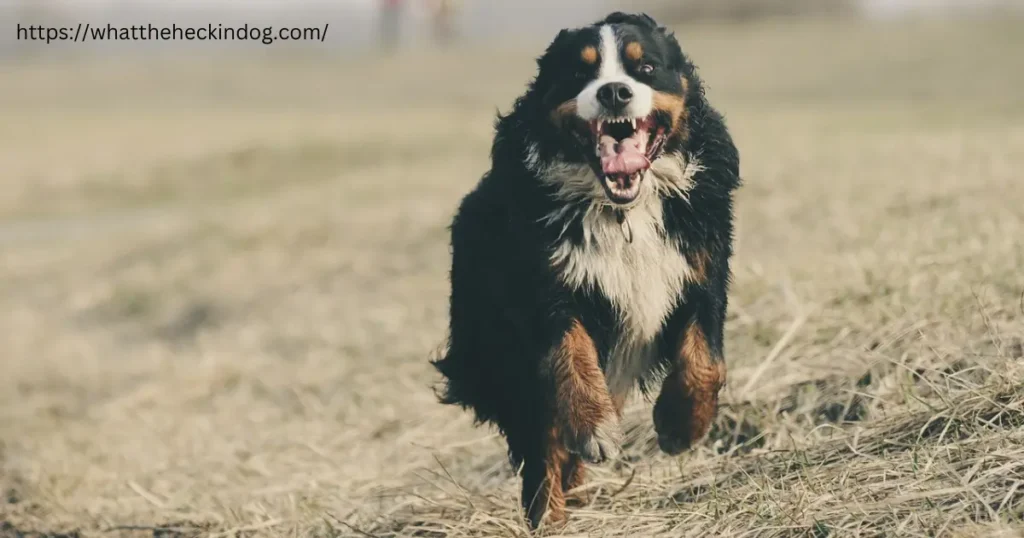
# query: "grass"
{"type": "Point", "coordinates": [225, 328]}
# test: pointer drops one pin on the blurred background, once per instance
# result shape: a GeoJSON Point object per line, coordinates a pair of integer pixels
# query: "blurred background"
{"type": "Point", "coordinates": [223, 266]}
{"type": "Point", "coordinates": [358, 22]}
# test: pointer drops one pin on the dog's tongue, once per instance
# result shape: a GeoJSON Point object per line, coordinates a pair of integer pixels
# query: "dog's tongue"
{"type": "Point", "coordinates": [627, 156]}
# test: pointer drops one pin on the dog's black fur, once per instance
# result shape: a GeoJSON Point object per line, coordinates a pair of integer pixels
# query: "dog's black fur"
{"type": "Point", "coordinates": [510, 304]}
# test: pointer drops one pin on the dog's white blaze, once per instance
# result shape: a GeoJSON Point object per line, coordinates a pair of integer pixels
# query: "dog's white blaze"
{"type": "Point", "coordinates": [611, 70]}
{"type": "Point", "coordinates": [611, 64]}
{"type": "Point", "coordinates": [642, 279]}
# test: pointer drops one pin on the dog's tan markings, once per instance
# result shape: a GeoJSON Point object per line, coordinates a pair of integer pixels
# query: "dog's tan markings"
{"type": "Point", "coordinates": [688, 401]}
{"type": "Point", "coordinates": [582, 392]}
{"type": "Point", "coordinates": [704, 374]}
{"type": "Point", "coordinates": [573, 476]}
{"type": "Point", "coordinates": [557, 457]}
{"type": "Point", "coordinates": [675, 106]}
{"type": "Point", "coordinates": [634, 51]}
{"type": "Point", "coordinates": [543, 495]}
{"type": "Point", "coordinates": [589, 54]}
{"type": "Point", "coordinates": [699, 261]}
{"type": "Point", "coordinates": [564, 111]}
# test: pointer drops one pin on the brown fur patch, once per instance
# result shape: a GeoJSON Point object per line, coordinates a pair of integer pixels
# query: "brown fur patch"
{"type": "Point", "coordinates": [699, 261]}
{"type": "Point", "coordinates": [583, 399]}
{"type": "Point", "coordinates": [675, 106]}
{"type": "Point", "coordinates": [564, 111]}
{"type": "Point", "coordinates": [703, 376]}
{"type": "Point", "coordinates": [543, 494]}
{"type": "Point", "coordinates": [582, 403]}
{"type": "Point", "coordinates": [574, 473]}
{"type": "Point", "coordinates": [688, 401]}
{"type": "Point", "coordinates": [557, 458]}
{"type": "Point", "coordinates": [634, 51]}
{"type": "Point", "coordinates": [589, 55]}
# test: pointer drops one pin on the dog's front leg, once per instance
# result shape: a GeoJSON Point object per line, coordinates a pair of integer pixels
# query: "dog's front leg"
{"type": "Point", "coordinates": [585, 413]}
{"type": "Point", "coordinates": [688, 402]}
{"type": "Point", "coordinates": [584, 427]}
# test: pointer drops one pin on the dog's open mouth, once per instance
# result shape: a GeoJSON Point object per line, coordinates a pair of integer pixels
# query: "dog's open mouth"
{"type": "Point", "coordinates": [624, 149]}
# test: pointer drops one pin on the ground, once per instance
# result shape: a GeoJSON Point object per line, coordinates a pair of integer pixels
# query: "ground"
{"type": "Point", "coordinates": [221, 280]}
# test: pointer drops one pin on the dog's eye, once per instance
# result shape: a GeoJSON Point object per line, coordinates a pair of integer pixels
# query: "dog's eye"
{"type": "Point", "coordinates": [647, 69]}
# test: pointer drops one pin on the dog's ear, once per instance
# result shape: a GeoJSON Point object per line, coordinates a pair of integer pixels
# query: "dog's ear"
{"type": "Point", "coordinates": [642, 20]}
{"type": "Point", "coordinates": [547, 64]}
{"type": "Point", "coordinates": [560, 39]}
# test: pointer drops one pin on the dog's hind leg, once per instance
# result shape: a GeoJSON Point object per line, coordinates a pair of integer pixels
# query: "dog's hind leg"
{"type": "Point", "coordinates": [583, 427]}
{"type": "Point", "coordinates": [585, 414]}
{"type": "Point", "coordinates": [574, 473]}
{"type": "Point", "coordinates": [543, 494]}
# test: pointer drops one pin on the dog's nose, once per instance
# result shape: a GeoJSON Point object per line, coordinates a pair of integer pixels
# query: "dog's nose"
{"type": "Point", "coordinates": [615, 96]}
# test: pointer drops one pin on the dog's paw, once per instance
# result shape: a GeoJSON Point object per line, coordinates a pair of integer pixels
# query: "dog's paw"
{"type": "Point", "coordinates": [682, 421]}
{"type": "Point", "coordinates": [601, 445]}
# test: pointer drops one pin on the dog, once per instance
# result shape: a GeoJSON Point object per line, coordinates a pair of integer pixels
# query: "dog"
{"type": "Point", "coordinates": [592, 258]}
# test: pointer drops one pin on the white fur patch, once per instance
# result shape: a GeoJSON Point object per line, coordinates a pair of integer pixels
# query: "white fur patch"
{"type": "Point", "coordinates": [671, 174]}
{"type": "Point", "coordinates": [643, 279]}
{"type": "Point", "coordinates": [611, 70]}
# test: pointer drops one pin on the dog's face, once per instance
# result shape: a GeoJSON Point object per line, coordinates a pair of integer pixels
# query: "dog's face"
{"type": "Point", "coordinates": [615, 94]}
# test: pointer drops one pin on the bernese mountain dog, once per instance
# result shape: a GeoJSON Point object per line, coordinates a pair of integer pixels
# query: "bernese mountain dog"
{"type": "Point", "coordinates": [593, 258]}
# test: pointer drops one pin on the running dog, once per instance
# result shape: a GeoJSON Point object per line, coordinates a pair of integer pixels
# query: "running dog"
{"type": "Point", "coordinates": [593, 258]}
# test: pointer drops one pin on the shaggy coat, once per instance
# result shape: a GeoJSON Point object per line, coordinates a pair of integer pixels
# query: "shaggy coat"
{"type": "Point", "coordinates": [593, 258]}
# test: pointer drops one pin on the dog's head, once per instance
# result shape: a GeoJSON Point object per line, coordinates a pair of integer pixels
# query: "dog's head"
{"type": "Point", "coordinates": [611, 97]}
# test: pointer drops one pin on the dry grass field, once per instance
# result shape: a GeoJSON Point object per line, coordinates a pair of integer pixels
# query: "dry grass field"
{"type": "Point", "coordinates": [221, 281]}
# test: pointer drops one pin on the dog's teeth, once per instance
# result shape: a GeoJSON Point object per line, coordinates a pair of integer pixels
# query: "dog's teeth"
{"type": "Point", "coordinates": [633, 122]}
{"type": "Point", "coordinates": [600, 123]}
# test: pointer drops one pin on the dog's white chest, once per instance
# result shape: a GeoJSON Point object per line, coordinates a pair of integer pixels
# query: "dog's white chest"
{"type": "Point", "coordinates": [642, 278]}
